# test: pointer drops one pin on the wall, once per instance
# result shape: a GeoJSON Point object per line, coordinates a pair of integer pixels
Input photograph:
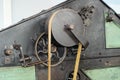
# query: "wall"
{"type": "Point", "coordinates": [22, 9]}
{"type": "Point", "coordinates": [25, 8]}
{"type": "Point", "coordinates": [1, 13]}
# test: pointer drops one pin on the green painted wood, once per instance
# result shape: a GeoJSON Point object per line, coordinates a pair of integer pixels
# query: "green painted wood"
{"type": "Point", "coordinates": [17, 73]}
{"type": "Point", "coordinates": [112, 35]}
{"type": "Point", "coordinates": [112, 32]}
{"type": "Point", "coordinates": [104, 74]}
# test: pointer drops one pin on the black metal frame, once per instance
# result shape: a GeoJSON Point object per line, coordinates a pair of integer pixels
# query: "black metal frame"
{"type": "Point", "coordinates": [95, 56]}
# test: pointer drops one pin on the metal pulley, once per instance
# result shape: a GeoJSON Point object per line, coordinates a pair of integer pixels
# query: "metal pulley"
{"type": "Point", "coordinates": [68, 28]}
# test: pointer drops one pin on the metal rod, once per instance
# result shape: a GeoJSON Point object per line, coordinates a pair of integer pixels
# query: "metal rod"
{"type": "Point", "coordinates": [22, 54]}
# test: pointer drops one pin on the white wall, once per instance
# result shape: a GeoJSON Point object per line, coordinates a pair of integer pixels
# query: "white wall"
{"type": "Point", "coordinates": [22, 9]}
{"type": "Point", "coordinates": [7, 12]}
{"type": "Point", "coordinates": [25, 8]}
{"type": "Point", "coordinates": [1, 14]}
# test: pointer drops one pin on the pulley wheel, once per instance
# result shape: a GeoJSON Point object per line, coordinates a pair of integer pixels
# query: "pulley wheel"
{"type": "Point", "coordinates": [59, 19]}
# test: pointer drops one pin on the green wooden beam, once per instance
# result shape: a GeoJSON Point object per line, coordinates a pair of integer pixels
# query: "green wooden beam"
{"type": "Point", "coordinates": [17, 73]}
{"type": "Point", "coordinates": [104, 74]}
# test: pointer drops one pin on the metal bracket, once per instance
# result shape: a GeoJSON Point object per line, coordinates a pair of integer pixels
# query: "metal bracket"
{"type": "Point", "coordinates": [79, 37]}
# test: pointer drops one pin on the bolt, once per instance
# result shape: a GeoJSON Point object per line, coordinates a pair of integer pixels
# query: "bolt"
{"type": "Point", "coordinates": [69, 27]}
{"type": "Point", "coordinates": [8, 51]}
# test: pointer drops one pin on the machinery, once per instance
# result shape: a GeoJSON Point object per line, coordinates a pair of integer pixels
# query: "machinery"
{"type": "Point", "coordinates": [92, 23]}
